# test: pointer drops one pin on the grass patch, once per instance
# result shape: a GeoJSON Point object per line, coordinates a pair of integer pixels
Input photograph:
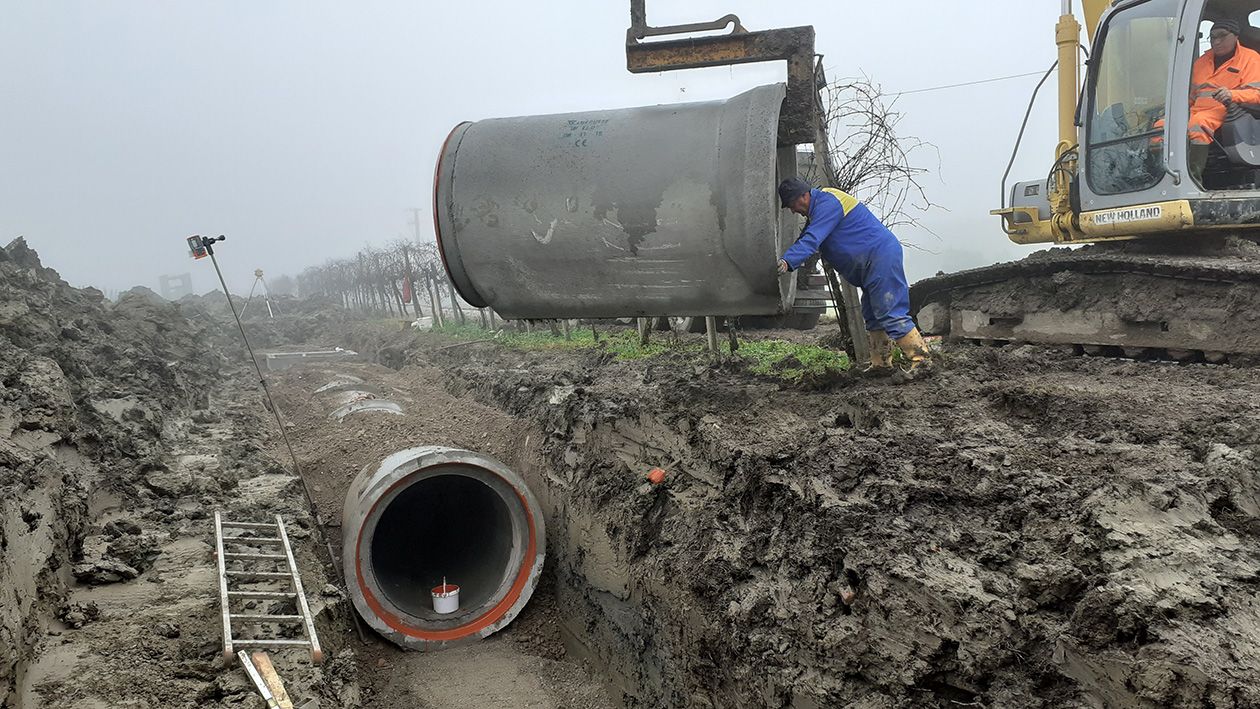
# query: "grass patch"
{"type": "Point", "coordinates": [790, 360]}
{"type": "Point", "coordinates": [781, 359]}
{"type": "Point", "coordinates": [456, 331]}
{"type": "Point", "coordinates": [623, 343]}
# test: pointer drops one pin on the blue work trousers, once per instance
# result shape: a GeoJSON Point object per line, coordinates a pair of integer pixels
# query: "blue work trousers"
{"type": "Point", "coordinates": [886, 294]}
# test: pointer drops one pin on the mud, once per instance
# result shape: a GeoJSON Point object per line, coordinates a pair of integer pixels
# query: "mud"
{"type": "Point", "coordinates": [122, 427]}
{"type": "Point", "coordinates": [1023, 529]}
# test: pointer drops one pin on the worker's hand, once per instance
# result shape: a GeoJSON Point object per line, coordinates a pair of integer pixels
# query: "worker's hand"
{"type": "Point", "coordinates": [783, 266]}
{"type": "Point", "coordinates": [1223, 95]}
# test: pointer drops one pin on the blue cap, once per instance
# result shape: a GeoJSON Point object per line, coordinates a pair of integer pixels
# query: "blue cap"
{"type": "Point", "coordinates": [790, 189]}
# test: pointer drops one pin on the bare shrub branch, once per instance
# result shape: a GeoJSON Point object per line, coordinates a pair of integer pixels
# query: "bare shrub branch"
{"type": "Point", "coordinates": [871, 160]}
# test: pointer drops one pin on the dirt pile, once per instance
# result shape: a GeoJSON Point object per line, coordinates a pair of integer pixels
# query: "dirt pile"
{"type": "Point", "coordinates": [85, 386]}
{"type": "Point", "coordinates": [122, 427]}
{"type": "Point", "coordinates": [1025, 529]}
{"type": "Point", "coordinates": [291, 320]}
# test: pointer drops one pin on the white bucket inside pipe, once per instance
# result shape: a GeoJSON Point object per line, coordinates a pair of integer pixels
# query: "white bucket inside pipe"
{"type": "Point", "coordinates": [445, 598]}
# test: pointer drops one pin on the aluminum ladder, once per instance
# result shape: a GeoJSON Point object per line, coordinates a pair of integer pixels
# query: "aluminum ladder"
{"type": "Point", "coordinates": [248, 556]}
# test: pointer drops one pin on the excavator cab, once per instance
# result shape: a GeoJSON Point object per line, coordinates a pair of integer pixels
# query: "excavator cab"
{"type": "Point", "coordinates": [1178, 276]}
{"type": "Point", "coordinates": [1144, 50]}
{"type": "Point", "coordinates": [1123, 168]}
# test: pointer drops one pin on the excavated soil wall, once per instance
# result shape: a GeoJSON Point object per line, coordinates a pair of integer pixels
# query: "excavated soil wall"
{"type": "Point", "coordinates": [85, 386]}
{"type": "Point", "coordinates": [123, 426]}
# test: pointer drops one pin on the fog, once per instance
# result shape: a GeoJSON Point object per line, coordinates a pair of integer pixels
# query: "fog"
{"type": "Point", "coordinates": [304, 130]}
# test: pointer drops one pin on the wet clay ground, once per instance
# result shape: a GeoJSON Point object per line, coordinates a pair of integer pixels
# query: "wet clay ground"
{"type": "Point", "coordinates": [1024, 528]}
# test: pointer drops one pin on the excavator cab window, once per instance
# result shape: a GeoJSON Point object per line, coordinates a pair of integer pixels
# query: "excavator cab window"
{"type": "Point", "coordinates": [1133, 56]}
{"type": "Point", "coordinates": [1233, 157]}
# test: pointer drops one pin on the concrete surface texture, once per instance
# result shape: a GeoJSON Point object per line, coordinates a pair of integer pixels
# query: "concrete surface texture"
{"type": "Point", "coordinates": [658, 210]}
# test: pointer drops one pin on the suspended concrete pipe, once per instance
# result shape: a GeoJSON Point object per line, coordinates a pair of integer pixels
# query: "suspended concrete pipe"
{"type": "Point", "coordinates": [430, 513]}
{"type": "Point", "coordinates": [661, 210]}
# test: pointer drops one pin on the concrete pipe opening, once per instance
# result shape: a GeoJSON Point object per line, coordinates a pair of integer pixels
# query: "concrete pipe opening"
{"type": "Point", "coordinates": [428, 513]}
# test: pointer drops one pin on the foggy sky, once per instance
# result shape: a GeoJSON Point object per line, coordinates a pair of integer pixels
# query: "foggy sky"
{"type": "Point", "coordinates": [305, 129]}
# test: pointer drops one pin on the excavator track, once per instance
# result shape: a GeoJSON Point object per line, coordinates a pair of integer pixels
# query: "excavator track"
{"type": "Point", "coordinates": [1153, 298]}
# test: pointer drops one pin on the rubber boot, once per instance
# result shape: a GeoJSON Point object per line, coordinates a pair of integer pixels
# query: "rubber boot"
{"type": "Point", "coordinates": [915, 350]}
{"type": "Point", "coordinates": [881, 346]}
{"type": "Point", "coordinates": [1196, 161]}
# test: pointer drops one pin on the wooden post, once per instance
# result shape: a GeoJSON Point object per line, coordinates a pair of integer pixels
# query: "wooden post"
{"type": "Point", "coordinates": [645, 330]}
{"type": "Point", "coordinates": [459, 311]}
{"type": "Point", "coordinates": [568, 332]}
{"type": "Point", "coordinates": [710, 330]}
{"type": "Point", "coordinates": [822, 158]}
{"type": "Point", "coordinates": [411, 278]}
{"type": "Point", "coordinates": [435, 302]}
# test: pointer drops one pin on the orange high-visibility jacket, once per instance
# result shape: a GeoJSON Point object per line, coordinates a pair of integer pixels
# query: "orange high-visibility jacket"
{"type": "Point", "coordinates": [1241, 75]}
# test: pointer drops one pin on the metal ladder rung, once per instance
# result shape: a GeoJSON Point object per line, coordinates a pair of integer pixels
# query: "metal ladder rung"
{"type": "Point", "coordinates": [248, 525]}
{"type": "Point", "coordinates": [250, 555]}
{"type": "Point", "coordinates": [260, 574]}
{"type": "Point", "coordinates": [253, 540]}
{"type": "Point", "coordinates": [269, 642]}
{"type": "Point", "coordinates": [264, 617]}
{"type": "Point", "coordinates": [274, 595]}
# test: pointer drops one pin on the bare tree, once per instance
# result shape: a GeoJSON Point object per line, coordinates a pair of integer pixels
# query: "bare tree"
{"type": "Point", "coordinates": [868, 157]}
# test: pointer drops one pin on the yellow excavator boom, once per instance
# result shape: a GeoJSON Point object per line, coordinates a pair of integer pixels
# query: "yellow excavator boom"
{"type": "Point", "coordinates": [1063, 224]}
{"type": "Point", "coordinates": [1093, 11]}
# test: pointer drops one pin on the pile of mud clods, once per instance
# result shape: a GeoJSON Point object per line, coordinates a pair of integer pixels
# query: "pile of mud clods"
{"type": "Point", "coordinates": [117, 442]}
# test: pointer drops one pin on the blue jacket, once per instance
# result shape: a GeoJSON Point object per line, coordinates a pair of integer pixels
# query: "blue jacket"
{"type": "Point", "coordinates": [850, 238]}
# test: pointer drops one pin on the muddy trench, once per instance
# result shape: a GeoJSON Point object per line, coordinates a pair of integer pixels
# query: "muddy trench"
{"type": "Point", "coordinates": [1028, 529]}
{"type": "Point", "coordinates": [1023, 528]}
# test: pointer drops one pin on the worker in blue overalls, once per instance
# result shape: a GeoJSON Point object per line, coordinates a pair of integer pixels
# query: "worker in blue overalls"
{"type": "Point", "coordinates": [867, 254]}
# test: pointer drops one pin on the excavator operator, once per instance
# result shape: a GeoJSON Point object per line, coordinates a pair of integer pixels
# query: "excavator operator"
{"type": "Point", "coordinates": [1227, 73]}
{"type": "Point", "coordinates": [867, 254]}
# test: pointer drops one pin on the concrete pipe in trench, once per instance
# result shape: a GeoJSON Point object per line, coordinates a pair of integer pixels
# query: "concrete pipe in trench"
{"type": "Point", "coordinates": [429, 512]}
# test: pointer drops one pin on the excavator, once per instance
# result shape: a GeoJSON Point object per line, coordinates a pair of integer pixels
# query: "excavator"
{"type": "Point", "coordinates": [1170, 266]}
{"type": "Point", "coordinates": [1157, 260]}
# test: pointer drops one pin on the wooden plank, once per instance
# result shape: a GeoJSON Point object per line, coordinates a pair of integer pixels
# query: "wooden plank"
{"type": "Point", "coordinates": [272, 679]}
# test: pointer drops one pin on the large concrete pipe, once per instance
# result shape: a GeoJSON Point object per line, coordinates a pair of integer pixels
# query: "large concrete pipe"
{"type": "Point", "coordinates": [427, 513]}
{"type": "Point", "coordinates": [662, 210]}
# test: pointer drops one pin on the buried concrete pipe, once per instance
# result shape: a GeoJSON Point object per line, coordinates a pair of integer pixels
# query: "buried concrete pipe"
{"type": "Point", "coordinates": [381, 406]}
{"type": "Point", "coordinates": [340, 382]}
{"type": "Point", "coordinates": [429, 513]}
